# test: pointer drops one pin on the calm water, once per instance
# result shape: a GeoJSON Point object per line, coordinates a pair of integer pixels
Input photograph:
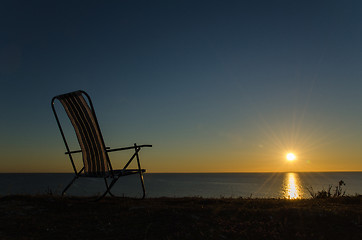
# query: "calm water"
{"type": "Point", "coordinates": [276, 185]}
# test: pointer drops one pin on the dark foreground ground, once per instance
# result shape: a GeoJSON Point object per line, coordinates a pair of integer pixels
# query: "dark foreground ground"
{"type": "Point", "coordinates": [47, 217]}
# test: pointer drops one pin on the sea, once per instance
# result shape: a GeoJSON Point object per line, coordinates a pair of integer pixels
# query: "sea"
{"type": "Point", "coordinates": [290, 185]}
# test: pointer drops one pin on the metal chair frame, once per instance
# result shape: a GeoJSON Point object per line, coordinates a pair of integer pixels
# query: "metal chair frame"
{"type": "Point", "coordinates": [115, 175]}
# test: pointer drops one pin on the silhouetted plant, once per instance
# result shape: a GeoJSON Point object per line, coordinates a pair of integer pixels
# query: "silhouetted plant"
{"type": "Point", "coordinates": [338, 192]}
{"type": "Point", "coordinates": [49, 191]}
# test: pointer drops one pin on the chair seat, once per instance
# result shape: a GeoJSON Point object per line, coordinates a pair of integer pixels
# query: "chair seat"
{"type": "Point", "coordinates": [117, 173]}
{"type": "Point", "coordinates": [126, 172]}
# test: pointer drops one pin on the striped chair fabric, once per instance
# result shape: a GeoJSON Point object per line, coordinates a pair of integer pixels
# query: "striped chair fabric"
{"type": "Point", "coordinates": [95, 157]}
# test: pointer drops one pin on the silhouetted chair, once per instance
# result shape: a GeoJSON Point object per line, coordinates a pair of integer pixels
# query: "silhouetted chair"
{"type": "Point", "coordinates": [96, 162]}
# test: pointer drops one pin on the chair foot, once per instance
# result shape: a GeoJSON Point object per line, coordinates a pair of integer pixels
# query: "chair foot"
{"type": "Point", "coordinates": [68, 186]}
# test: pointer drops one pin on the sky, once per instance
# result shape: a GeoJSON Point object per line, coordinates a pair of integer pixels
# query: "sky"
{"type": "Point", "coordinates": [214, 86]}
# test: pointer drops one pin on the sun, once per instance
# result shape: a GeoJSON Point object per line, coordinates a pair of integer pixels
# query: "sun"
{"type": "Point", "coordinates": [290, 157]}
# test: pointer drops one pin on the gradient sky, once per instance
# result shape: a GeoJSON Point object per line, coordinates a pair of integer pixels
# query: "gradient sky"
{"type": "Point", "coordinates": [215, 86]}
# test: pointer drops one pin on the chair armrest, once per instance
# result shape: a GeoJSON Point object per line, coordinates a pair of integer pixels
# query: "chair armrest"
{"type": "Point", "coordinates": [127, 148]}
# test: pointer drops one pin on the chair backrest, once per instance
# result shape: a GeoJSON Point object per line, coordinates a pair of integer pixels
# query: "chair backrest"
{"type": "Point", "coordinates": [89, 136]}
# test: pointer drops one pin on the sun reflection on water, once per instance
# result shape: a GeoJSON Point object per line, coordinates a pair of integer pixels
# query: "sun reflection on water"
{"type": "Point", "coordinates": [291, 186]}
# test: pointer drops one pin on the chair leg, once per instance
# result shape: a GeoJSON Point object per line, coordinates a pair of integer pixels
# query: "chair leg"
{"type": "Point", "coordinates": [66, 188]}
{"type": "Point", "coordinates": [140, 171]}
{"type": "Point", "coordinates": [114, 181]}
{"type": "Point", "coordinates": [108, 189]}
{"type": "Point", "coordinates": [110, 193]}
{"type": "Point", "coordinates": [143, 185]}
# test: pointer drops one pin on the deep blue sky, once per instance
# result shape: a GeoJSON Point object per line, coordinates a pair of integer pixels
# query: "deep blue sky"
{"type": "Point", "coordinates": [214, 85]}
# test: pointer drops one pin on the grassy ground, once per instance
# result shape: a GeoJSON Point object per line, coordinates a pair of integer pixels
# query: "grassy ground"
{"type": "Point", "coordinates": [47, 217]}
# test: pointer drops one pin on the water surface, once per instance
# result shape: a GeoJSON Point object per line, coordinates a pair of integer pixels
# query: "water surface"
{"type": "Point", "coordinates": [260, 185]}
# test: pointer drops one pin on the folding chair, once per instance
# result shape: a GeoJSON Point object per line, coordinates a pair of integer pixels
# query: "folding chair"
{"type": "Point", "coordinates": [96, 162]}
